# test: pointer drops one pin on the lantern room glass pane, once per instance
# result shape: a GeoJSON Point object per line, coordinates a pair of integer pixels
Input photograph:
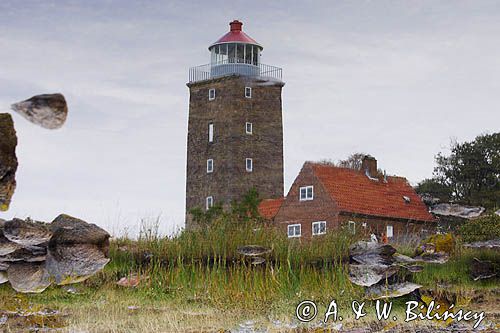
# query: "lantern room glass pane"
{"type": "Point", "coordinates": [248, 54]}
{"type": "Point", "coordinates": [231, 52]}
{"type": "Point", "coordinates": [240, 53]}
{"type": "Point", "coordinates": [256, 56]}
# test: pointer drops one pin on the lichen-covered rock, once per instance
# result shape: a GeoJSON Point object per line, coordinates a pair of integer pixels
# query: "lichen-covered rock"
{"type": "Point", "coordinates": [70, 230]}
{"type": "Point", "coordinates": [3, 277]}
{"type": "Point", "coordinates": [28, 277]}
{"type": "Point", "coordinates": [8, 160]}
{"type": "Point", "coordinates": [6, 246]}
{"type": "Point", "coordinates": [448, 209]}
{"type": "Point", "coordinates": [26, 233]}
{"type": "Point", "coordinates": [368, 275]}
{"type": "Point", "coordinates": [74, 263]}
{"type": "Point", "coordinates": [49, 110]}
{"type": "Point", "coordinates": [391, 291]}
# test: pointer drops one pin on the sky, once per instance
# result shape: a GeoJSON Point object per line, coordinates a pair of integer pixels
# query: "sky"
{"type": "Point", "coordinates": [396, 79]}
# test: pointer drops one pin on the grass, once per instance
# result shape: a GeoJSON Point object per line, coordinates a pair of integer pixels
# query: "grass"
{"type": "Point", "coordinates": [198, 281]}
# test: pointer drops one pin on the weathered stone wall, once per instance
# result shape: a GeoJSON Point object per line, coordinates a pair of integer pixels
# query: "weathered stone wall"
{"type": "Point", "coordinates": [231, 146]}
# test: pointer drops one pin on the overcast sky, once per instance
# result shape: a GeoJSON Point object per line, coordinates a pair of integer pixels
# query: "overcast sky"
{"type": "Point", "coordinates": [396, 79]}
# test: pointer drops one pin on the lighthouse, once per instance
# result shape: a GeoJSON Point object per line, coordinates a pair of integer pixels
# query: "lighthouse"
{"type": "Point", "coordinates": [235, 125]}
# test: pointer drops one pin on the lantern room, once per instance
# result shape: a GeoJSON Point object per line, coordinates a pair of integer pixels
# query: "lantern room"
{"type": "Point", "coordinates": [235, 47]}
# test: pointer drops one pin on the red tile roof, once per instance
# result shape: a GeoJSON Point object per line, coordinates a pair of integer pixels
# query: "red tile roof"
{"type": "Point", "coordinates": [268, 208]}
{"type": "Point", "coordinates": [354, 192]}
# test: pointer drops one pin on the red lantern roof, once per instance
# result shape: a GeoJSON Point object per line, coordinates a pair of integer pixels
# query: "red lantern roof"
{"type": "Point", "coordinates": [236, 35]}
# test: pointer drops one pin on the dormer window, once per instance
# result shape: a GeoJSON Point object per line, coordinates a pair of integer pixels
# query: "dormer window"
{"type": "Point", "coordinates": [306, 193]}
{"type": "Point", "coordinates": [248, 92]}
{"type": "Point", "coordinates": [211, 94]}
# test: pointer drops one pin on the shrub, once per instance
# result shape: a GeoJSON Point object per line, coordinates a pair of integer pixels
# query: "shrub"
{"type": "Point", "coordinates": [481, 229]}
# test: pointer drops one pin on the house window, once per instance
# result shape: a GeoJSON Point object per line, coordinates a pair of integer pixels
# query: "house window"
{"type": "Point", "coordinates": [249, 128]}
{"type": "Point", "coordinates": [306, 193]}
{"type": "Point", "coordinates": [294, 230]}
{"type": "Point", "coordinates": [249, 164]}
{"type": "Point", "coordinates": [390, 231]}
{"type": "Point", "coordinates": [211, 132]}
{"type": "Point", "coordinates": [210, 165]}
{"type": "Point", "coordinates": [319, 228]}
{"type": "Point", "coordinates": [352, 227]}
{"type": "Point", "coordinates": [248, 92]}
{"type": "Point", "coordinates": [209, 202]}
{"type": "Point", "coordinates": [211, 94]}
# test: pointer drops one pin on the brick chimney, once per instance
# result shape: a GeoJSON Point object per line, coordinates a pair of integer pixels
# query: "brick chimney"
{"type": "Point", "coordinates": [369, 166]}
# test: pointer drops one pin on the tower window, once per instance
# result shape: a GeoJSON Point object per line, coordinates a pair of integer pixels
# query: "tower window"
{"type": "Point", "coordinates": [210, 165]}
{"type": "Point", "coordinates": [209, 202]}
{"type": "Point", "coordinates": [294, 230]}
{"type": "Point", "coordinates": [249, 128]}
{"type": "Point", "coordinates": [306, 193]}
{"type": "Point", "coordinates": [211, 132]}
{"type": "Point", "coordinates": [249, 164]}
{"type": "Point", "coordinates": [319, 228]}
{"type": "Point", "coordinates": [211, 94]}
{"type": "Point", "coordinates": [248, 92]}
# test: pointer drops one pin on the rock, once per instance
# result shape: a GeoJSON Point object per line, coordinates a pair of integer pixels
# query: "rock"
{"type": "Point", "coordinates": [253, 250]}
{"type": "Point", "coordinates": [4, 266]}
{"type": "Point", "coordinates": [258, 261]}
{"type": "Point", "coordinates": [34, 254]}
{"type": "Point", "coordinates": [74, 263]}
{"type": "Point", "coordinates": [490, 244]}
{"type": "Point", "coordinates": [456, 210]}
{"type": "Point", "coordinates": [433, 258]}
{"type": "Point", "coordinates": [8, 160]}
{"type": "Point", "coordinates": [70, 230]}
{"type": "Point", "coordinates": [414, 268]}
{"type": "Point", "coordinates": [6, 246]}
{"type": "Point", "coordinates": [26, 233]}
{"type": "Point", "coordinates": [3, 277]}
{"type": "Point", "coordinates": [401, 258]}
{"type": "Point", "coordinates": [49, 110]}
{"type": "Point", "coordinates": [482, 269]}
{"type": "Point", "coordinates": [391, 291]}
{"type": "Point", "coordinates": [368, 275]}
{"type": "Point", "coordinates": [28, 277]}
{"type": "Point", "coordinates": [131, 281]}
{"type": "Point", "coordinates": [364, 248]}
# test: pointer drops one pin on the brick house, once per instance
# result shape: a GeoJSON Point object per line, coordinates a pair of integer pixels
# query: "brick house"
{"type": "Point", "coordinates": [324, 197]}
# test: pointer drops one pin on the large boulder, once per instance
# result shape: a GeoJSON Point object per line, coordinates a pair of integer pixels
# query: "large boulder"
{"type": "Point", "coordinates": [449, 209]}
{"type": "Point", "coordinates": [28, 277]}
{"type": "Point", "coordinates": [70, 230]}
{"type": "Point", "coordinates": [8, 160]}
{"type": "Point", "coordinates": [27, 233]}
{"type": "Point", "coordinates": [48, 110]}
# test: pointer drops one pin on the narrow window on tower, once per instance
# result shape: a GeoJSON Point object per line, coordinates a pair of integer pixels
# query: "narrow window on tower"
{"type": "Point", "coordinates": [248, 92]}
{"type": "Point", "coordinates": [210, 132]}
{"type": "Point", "coordinates": [249, 164]}
{"type": "Point", "coordinates": [211, 94]}
{"type": "Point", "coordinates": [210, 165]}
{"type": "Point", "coordinates": [248, 128]}
{"type": "Point", "coordinates": [209, 202]}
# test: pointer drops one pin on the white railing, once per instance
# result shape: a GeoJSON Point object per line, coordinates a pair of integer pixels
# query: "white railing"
{"type": "Point", "coordinates": [228, 67]}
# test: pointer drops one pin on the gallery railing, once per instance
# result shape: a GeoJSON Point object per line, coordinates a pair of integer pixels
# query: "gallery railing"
{"type": "Point", "coordinates": [227, 68]}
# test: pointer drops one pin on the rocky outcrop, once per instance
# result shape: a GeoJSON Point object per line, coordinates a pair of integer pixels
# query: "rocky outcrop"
{"type": "Point", "coordinates": [8, 160]}
{"type": "Point", "coordinates": [49, 110]}
{"type": "Point", "coordinates": [35, 254]}
{"type": "Point", "coordinates": [456, 210]}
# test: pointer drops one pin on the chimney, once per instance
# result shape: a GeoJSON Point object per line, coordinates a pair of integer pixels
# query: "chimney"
{"type": "Point", "coordinates": [369, 166]}
{"type": "Point", "coordinates": [235, 25]}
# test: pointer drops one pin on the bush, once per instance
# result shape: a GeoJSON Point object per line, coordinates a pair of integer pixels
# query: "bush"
{"type": "Point", "coordinates": [481, 229]}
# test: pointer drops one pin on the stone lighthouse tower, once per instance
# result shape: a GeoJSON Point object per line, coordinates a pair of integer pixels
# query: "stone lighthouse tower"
{"type": "Point", "coordinates": [235, 129]}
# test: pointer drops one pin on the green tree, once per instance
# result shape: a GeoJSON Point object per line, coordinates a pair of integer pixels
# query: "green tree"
{"type": "Point", "coordinates": [435, 189]}
{"type": "Point", "coordinates": [472, 171]}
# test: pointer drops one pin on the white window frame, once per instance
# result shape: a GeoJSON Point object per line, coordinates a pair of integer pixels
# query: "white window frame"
{"type": "Point", "coordinates": [352, 227]}
{"type": "Point", "coordinates": [211, 96]}
{"type": "Point", "coordinates": [248, 92]}
{"type": "Point", "coordinates": [209, 202]}
{"type": "Point", "coordinates": [248, 159]}
{"type": "Point", "coordinates": [211, 130]}
{"type": "Point", "coordinates": [319, 228]}
{"type": "Point", "coordinates": [294, 235]}
{"type": "Point", "coordinates": [210, 165]}
{"type": "Point", "coordinates": [248, 125]}
{"type": "Point", "coordinates": [306, 188]}
{"type": "Point", "coordinates": [391, 228]}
